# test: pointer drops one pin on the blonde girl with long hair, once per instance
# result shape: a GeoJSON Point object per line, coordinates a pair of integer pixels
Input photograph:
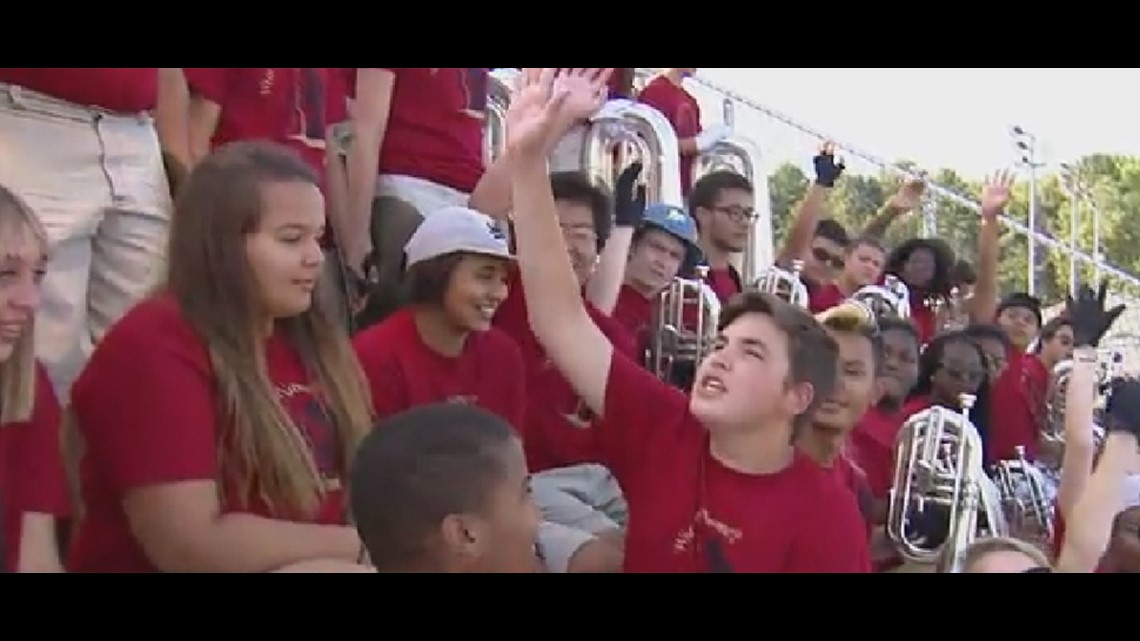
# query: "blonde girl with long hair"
{"type": "Point", "coordinates": [33, 486]}
{"type": "Point", "coordinates": [218, 418]}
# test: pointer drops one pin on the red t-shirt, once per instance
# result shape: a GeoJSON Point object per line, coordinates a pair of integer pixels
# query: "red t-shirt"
{"type": "Point", "coordinates": [821, 299]}
{"type": "Point", "coordinates": [288, 105]}
{"type": "Point", "coordinates": [634, 312]}
{"type": "Point", "coordinates": [923, 318]}
{"type": "Point", "coordinates": [404, 372]}
{"type": "Point", "coordinates": [119, 89]}
{"type": "Point", "coordinates": [683, 504]}
{"type": "Point", "coordinates": [682, 111]}
{"type": "Point", "coordinates": [435, 125]}
{"type": "Point", "coordinates": [167, 431]}
{"type": "Point", "coordinates": [557, 420]}
{"type": "Point", "coordinates": [32, 476]}
{"type": "Point", "coordinates": [725, 283]}
{"type": "Point", "coordinates": [1018, 408]}
{"type": "Point", "coordinates": [873, 448]}
{"type": "Point", "coordinates": [846, 473]}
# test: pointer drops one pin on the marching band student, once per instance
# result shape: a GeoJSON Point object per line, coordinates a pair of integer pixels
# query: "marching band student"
{"type": "Point", "coordinates": [442, 347]}
{"type": "Point", "coordinates": [950, 366]}
{"type": "Point", "coordinates": [863, 266]}
{"type": "Point", "coordinates": [234, 456]}
{"type": "Point", "coordinates": [1090, 321]}
{"type": "Point", "coordinates": [873, 440]}
{"type": "Point", "coordinates": [556, 417]}
{"type": "Point", "coordinates": [1020, 383]}
{"type": "Point", "coordinates": [666, 93]}
{"type": "Point", "coordinates": [444, 488]}
{"type": "Point", "coordinates": [923, 265]}
{"type": "Point", "coordinates": [723, 204]}
{"type": "Point", "coordinates": [1055, 344]}
{"type": "Point", "coordinates": [108, 220]}
{"type": "Point", "coordinates": [32, 480]}
{"type": "Point", "coordinates": [664, 246]}
{"type": "Point", "coordinates": [297, 107]}
{"type": "Point", "coordinates": [825, 437]}
{"type": "Point", "coordinates": [713, 483]}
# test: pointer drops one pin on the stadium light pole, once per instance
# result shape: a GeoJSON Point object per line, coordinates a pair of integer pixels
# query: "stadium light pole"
{"type": "Point", "coordinates": [1025, 144]}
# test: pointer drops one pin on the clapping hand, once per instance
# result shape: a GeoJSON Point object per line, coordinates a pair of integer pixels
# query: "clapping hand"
{"type": "Point", "coordinates": [827, 168]}
{"type": "Point", "coordinates": [1088, 316]}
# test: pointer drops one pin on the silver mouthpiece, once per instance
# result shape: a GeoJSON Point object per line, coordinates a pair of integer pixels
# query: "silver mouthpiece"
{"type": "Point", "coordinates": [797, 267]}
{"type": "Point", "coordinates": [967, 402]}
{"type": "Point", "coordinates": [702, 272]}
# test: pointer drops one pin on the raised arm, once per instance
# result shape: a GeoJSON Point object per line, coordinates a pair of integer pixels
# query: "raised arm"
{"type": "Point", "coordinates": [1091, 320]}
{"type": "Point", "coordinates": [995, 196]}
{"type": "Point", "coordinates": [539, 112]}
{"type": "Point", "coordinates": [905, 200]}
{"type": "Point", "coordinates": [629, 208]}
{"type": "Point", "coordinates": [812, 207]}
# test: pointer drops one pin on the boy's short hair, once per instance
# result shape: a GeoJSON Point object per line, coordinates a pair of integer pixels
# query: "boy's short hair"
{"type": "Point", "coordinates": [812, 353]}
{"type": "Point", "coordinates": [417, 468]}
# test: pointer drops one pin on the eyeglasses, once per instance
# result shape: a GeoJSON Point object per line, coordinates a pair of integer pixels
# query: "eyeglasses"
{"type": "Point", "coordinates": [738, 214]}
{"type": "Point", "coordinates": [824, 256]}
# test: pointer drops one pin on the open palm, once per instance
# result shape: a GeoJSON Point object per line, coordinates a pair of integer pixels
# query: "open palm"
{"type": "Point", "coordinates": [546, 102]}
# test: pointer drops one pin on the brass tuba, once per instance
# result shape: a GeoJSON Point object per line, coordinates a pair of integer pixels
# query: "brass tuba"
{"type": "Point", "coordinates": [740, 155]}
{"type": "Point", "coordinates": [785, 284]}
{"type": "Point", "coordinates": [684, 326]}
{"type": "Point", "coordinates": [1026, 497]}
{"type": "Point", "coordinates": [889, 300]}
{"type": "Point", "coordinates": [625, 132]}
{"type": "Point", "coordinates": [500, 85]}
{"type": "Point", "coordinates": [939, 489]}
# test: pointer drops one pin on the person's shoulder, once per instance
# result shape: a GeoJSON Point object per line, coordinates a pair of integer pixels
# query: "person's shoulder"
{"type": "Point", "coordinates": [388, 333]}
{"type": "Point", "coordinates": [157, 317]}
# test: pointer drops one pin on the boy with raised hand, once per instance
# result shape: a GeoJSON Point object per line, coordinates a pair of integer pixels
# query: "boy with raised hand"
{"type": "Point", "coordinates": [713, 482]}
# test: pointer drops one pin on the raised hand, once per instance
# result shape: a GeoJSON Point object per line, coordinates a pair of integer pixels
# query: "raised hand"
{"type": "Point", "coordinates": [1089, 316]}
{"type": "Point", "coordinates": [909, 196]}
{"type": "Point", "coordinates": [997, 192]}
{"type": "Point", "coordinates": [629, 197]}
{"type": "Point", "coordinates": [586, 91]}
{"type": "Point", "coordinates": [827, 168]}
{"type": "Point", "coordinates": [547, 102]}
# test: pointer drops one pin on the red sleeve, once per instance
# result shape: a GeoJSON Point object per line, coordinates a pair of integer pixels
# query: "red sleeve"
{"type": "Point", "coordinates": [378, 359]}
{"type": "Point", "coordinates": [161, 427]}
{"type": "Point", "coordinates": [212, 83]}
{"type": "Point", "coordinates": [39, 482]}
{"type": "Point", "coordinates": [621, 339]}
{"type": "Point", "coordinates": [833, 537]}
{"type": "Point", "coordinates": [639, 409]}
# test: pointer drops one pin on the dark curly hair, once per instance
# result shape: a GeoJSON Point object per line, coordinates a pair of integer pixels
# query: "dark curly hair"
{"type": "Point", "coordinates": [929, 363]}
{"type": "Point", "coordinates": [942, 282]}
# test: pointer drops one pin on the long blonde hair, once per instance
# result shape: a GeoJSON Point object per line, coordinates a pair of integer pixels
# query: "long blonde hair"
{"type": "Point", "coordinates": [260, 448]}
{"type": "Point", "coordinates": [18, 372]}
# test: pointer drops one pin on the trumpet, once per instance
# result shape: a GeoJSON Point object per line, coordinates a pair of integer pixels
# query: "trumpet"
{"type": "Point", "coordinates": [889, 300]}
{"type": "Point", "coordinates": [684, 327]}
{"type": "Point", "coordinates": [1026, 496]}
{"type": "Point", "coordinates": [785, 284]}
{"type": "Point", "coordinates": [940, 489]}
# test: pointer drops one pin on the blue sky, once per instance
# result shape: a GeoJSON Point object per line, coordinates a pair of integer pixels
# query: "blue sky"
{"type": "Point", "coordinates": [957, 118]}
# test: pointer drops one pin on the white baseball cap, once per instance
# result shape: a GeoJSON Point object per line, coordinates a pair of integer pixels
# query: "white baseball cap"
{"type": "Point", "coordinates": [456, 230]}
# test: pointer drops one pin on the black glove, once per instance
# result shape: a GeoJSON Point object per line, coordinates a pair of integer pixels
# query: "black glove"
{"type": "Point", "coordinates": [1088, 316]}
{"type": "Point", "coordinates": [629, 198]}
{"type": "Point", "coordinates": [827, 170]}
{"type": "Point", "coordinates": [1123, 407]}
